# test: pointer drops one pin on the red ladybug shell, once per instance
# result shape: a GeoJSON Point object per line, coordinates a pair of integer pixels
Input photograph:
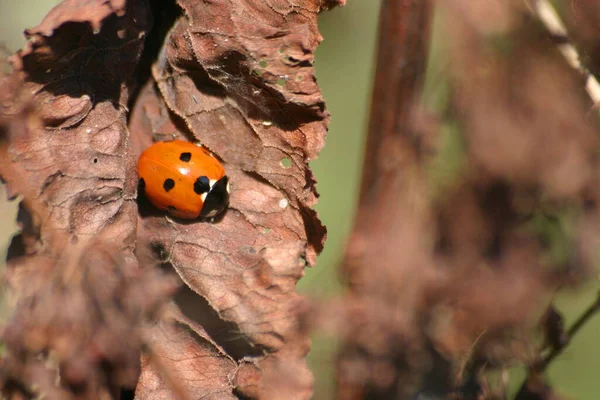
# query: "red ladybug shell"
{"type": "Point", "coordinates": [184, 179]}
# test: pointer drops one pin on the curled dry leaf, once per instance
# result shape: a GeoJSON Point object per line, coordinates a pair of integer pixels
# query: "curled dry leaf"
{"type": "Point", "coordinates": [73, 154]}
{"type": "Point", "coordinates": [241, 77]}
{"type": "Point", "coordinates": [184, 362]}
{"type": "Point", "coordinates": [238, 77]}
{"type": "Point", "coordinates": [77, 291]}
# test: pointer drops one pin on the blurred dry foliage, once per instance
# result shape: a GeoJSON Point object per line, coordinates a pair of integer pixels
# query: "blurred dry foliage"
{"type": "Point", "coordinates": [112, 299]}
{"type": "Point", "coordinates": [452, 265]}
{"type": "Point", "coordinates": [451, 272]}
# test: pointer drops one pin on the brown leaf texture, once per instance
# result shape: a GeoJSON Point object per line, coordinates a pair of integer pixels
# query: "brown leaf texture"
{"type": "Point", "coordinates": [77, 291]}
{"type": "Point", "coordinates": [184, 354]}
{"type": "Point", "coordinates": [77, 159]}
{"type": "Point", "coordinates": [236, 76]}
{"type": "Point", "coordinates": [246, 70]}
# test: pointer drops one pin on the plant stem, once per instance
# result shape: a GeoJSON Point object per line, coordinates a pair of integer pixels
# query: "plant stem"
{"type": "Point", "coordinates": [592, 309]}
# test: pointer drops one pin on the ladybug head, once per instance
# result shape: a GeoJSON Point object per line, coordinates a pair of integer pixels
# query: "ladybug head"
{"type": "Point", "coordinates": [217, 199]}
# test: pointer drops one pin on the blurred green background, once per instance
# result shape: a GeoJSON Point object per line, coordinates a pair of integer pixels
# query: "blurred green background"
{"type": "Point", "coordinates": [345, 65]}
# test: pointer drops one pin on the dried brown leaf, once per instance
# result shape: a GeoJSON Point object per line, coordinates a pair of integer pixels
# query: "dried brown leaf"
{"type": "Point", "coordinates": [235, 69]}
{"type": "Point", "coordinates": [76, 286]}
{"type": "Point", "coordinates": [238, 77]}
{"type": "Point", "coordinates": [184, 363]}
{"type": "Point", "coordinates": [77, 159]}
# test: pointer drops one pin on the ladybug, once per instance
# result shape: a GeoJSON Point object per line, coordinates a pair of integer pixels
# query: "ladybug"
{"type": "Point", "coordinates": [183, 179]}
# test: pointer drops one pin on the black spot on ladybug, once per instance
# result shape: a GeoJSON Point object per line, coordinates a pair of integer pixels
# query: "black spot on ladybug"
{"type": "Point", "coordinates": [141, 185]}
{"type": "Point", "coordinates": [202, 185]}
{"type": "Point", "coordinates": [185, 157]}
{"type": "Point", "coordinates": [168, 184]}
{"type": "Point", "coordinates": [171, 208]}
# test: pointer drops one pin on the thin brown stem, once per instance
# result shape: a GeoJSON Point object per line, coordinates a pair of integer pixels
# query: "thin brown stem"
{"type": "Point", "coordinates": [592, 310]}
{"type": "Point", "coordinates": [534, 381]}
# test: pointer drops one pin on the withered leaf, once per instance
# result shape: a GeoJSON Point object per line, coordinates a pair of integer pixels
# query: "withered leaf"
{"type": "Point", "coordinates": [77, 160]}
{"type": "Point", "coordinates": [184, 363]}
{"type": "Point", "coordinates": [242, 80]}
{"type": "Point", "coordinates": [238, 77]}
{"type": "Point", "coordinates": [75, 281]}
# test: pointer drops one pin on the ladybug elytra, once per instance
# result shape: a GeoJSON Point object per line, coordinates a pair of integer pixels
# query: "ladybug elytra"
{"type": "Point", "coordinates": [183, 179]}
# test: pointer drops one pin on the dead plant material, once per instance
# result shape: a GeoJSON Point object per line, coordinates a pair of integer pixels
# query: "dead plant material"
{"type": "Point", "coordinates": [449, 277]}
{"type": "Point", "coordinates": [236, 76]}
